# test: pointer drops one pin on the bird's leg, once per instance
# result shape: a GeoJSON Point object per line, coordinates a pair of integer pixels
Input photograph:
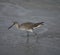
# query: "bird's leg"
{"type": "Point", "coordinates": [37, 37]}
{"type": "Point", "coordinates": [27, 37]}
{"type": "Point", "coordinates": [34, 32]}
{"type": "Point", "coordinates": [27, 33]}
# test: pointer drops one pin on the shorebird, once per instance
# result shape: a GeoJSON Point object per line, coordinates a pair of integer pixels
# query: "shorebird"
{"type": "Point", "coordinates": [28, 26]}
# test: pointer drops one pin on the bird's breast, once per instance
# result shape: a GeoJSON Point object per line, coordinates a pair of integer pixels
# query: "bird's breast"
{"type": "Point", "coordinates": [30, 30]}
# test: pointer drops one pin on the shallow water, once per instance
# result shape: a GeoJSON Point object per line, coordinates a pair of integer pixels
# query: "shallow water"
{"type": "Point", "coordinates": [15, 41]}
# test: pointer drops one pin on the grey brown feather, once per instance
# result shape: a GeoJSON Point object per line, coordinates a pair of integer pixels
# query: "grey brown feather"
{"type": "Point", "coordinates": [27, 26]}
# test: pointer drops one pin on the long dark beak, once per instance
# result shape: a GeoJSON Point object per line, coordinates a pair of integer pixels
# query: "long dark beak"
{"type": "Point", "coordinates": [10, 26]}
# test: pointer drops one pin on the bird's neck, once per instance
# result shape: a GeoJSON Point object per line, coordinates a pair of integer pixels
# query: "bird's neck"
{"type": "Point", "coordinates": [17, 26]}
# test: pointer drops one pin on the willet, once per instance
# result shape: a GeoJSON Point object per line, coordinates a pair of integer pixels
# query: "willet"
{"type": "Point", "coordinates": [28, 26]}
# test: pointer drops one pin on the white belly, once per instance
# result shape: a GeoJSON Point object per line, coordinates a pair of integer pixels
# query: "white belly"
{"type": "Point", "coordinates": [30, 30]}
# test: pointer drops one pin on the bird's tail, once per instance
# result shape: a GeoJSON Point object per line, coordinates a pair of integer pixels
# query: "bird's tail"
{"type": "Point", "coordinates": [38, 24]}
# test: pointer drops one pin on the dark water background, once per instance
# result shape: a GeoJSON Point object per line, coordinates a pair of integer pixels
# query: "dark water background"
{"type": "Point", "coordinates": [14, 42]}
